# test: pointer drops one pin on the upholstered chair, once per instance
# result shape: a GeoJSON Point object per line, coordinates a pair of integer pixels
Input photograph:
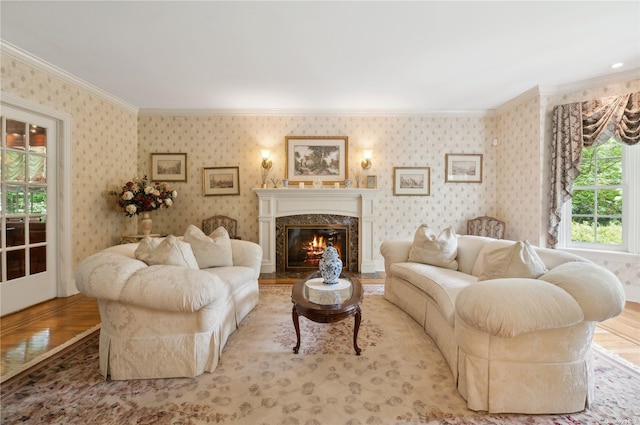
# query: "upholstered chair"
{"type": "Point", "coordinates": [212, 223]}
{"type": "Point", "coordinates": [486, 226]}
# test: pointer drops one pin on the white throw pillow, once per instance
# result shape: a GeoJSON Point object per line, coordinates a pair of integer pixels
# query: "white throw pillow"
{"type": "Point", "coordinates": [438, 250]}
{"type": "Point", "coordinates": [210, 251]}
{"type": "Point", "coordinates": [517, 260]}
{"type": "Point", "coordinates": [146, 247]}
{"type": "Point", "coordinates": [168, 252]}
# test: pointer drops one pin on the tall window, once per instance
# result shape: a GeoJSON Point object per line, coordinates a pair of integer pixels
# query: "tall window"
{"type": "Point", "coordinates": [598, 193]}
{"type": "Point", "coordinates": [603, 213]}
{"type": "Point", "coordinates": [599, 207]}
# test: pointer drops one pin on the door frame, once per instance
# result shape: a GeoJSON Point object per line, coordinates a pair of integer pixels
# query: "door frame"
{"type": "Point", "coordinates": [65, 282]}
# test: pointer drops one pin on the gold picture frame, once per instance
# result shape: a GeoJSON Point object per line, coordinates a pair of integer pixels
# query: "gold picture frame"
{"type": "Point", "coordinates": [169, 167]}
{"type": "Point", "coordinates": [412, 181]}
{"type": "Point", "coordinates": [220, 181]}
{"type": "Point", "coordinates": [463, 168]}
{"type": "Point", "coordinates": [309, 158]}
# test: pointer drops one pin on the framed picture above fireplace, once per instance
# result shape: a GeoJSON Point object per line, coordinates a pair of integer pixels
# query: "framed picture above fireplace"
{"type": "Point", "coordinates": [313, 158]}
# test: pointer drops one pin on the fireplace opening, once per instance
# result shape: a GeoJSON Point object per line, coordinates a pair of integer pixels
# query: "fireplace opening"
{"type": "Point", "coordinates": [327, 224]}
{"type": "Point", "coordinates": [305, 245]}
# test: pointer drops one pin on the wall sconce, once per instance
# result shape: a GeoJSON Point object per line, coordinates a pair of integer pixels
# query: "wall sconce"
{"type": "Point", "coordinates": [265, 166]}
{"type": "Point", "coordinates": [266, 162]}
{"type": "Point", "coordinates": [366, 162]}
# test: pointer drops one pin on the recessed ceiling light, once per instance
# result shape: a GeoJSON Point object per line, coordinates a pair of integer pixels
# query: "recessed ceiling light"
{"type": "Point", "coordinates": [617, 65]}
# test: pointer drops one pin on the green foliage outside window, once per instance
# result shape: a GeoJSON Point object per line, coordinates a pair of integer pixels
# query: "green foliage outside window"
{"type": "Point", "coordinates": [597, 196]}
{"type": "Point", "coordinates": [16, 200]}
{"type": "Point", "coordinates": [38, 201]}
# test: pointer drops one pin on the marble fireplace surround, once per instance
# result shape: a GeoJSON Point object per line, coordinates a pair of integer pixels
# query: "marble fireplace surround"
{"type": "Point", "coordinates": [283, 202]}
{"type": "Point", "coordinates": [347, 224]}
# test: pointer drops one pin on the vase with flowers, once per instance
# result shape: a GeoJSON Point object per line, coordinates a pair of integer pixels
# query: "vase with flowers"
{"type": "Point", "coordinates": [140, 196]}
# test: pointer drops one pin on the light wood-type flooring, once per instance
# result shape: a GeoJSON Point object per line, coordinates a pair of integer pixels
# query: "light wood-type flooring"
{"type": "Point", "coordinates": [30, 333]}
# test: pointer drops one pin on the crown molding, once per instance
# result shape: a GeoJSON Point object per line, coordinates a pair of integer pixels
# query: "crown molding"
{"type": "Point", "coordinates": [312, 112]}
{"type": "Point", "coordinates": [603, 80]}
{"type": "Point", "coordinates": [26, 57]}
{"type": "Point", "coordinates": [532, 93]}
{"type": "Point", "coordinates": [548, 90]}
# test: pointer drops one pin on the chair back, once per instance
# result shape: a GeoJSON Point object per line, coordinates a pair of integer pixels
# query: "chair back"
{"type": "Point", "coordinates": [486, 226]}
{"type": "Point", "coordinates": [212, 223]}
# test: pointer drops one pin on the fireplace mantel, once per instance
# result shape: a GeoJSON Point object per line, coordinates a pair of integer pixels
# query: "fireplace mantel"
{"type": "Point", "coordinates": [284, 202]}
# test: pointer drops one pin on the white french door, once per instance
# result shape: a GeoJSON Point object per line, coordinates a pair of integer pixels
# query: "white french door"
{"type": "Point", "coordinates": [27, 209]}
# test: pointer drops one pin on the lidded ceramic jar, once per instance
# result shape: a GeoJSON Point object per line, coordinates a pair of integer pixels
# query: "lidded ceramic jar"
{"type": "Point", "coordinates": [330, 265]}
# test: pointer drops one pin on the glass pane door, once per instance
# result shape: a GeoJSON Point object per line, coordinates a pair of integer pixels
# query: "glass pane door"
{"type": "Point", "coordinates": [25, 209]}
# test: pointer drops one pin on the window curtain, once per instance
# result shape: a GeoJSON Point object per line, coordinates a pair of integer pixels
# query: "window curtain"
{"type": "Point", "coordinates": [585, 124]}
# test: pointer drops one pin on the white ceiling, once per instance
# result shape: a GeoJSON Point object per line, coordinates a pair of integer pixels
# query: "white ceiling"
{"type": "Point", "coordinates": [420, 56]}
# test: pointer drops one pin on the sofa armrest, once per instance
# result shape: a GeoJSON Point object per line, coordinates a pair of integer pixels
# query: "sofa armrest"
{"type": "Point", "coordinates": [598, 291]}
{"type": "Point", "coordinates": [247, 254]}
{"type": "Point", "coordinates": [512, 306]}
{"type": "Point", "coordinates": [116, 277]}
{"type": "Point", "coordinates": [395, 251]}
{"type": "Point", "coordinates": [173, 288]}
{"type": "Point", "coordinates": [103, 275]}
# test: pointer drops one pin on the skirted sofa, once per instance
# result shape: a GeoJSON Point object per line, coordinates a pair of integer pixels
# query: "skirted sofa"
{"type": "Point", "coordinates": [514, 322]}
{"type": "Point", "coordinates": [168, 305]}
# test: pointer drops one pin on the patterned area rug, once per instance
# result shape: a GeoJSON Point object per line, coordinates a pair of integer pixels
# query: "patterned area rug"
{"type": "Point", "coordinates": [400, 378]}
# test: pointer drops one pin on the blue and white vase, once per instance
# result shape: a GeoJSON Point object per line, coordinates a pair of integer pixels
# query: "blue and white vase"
{"type": "Point", "coordinates": [330, 265]}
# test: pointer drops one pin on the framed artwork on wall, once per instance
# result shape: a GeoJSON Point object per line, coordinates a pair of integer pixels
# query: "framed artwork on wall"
{"type": "Point", "coordinates": [372, 182]}
{"type": "Point", "coordinates": [169, 167]}
{"type": "Point", "coordinates": [220, 181]}
{"type": "Point", "coordinates": [463, 168]}
{"type": "Point", "coordinates": [312, 158]}
{"type": "Point", "coordinates": [412, 181]}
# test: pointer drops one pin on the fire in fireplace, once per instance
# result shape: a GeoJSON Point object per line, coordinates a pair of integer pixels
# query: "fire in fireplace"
{"type": "Point", "coordinates": [305, 245]}
{"type": "Point", "coordinates": [347, 241]}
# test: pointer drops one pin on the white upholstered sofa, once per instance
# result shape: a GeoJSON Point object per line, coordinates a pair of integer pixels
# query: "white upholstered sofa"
{"type": "Point", "coordinates": [519, 345]}
{"type": "Point", "coordinates": [162, 321]}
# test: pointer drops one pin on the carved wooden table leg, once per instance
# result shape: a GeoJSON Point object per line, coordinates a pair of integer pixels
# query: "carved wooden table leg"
{"type": "Point", "coordinates": [296, 324]}
{"type": "Point", "coordinates": [356, 327]}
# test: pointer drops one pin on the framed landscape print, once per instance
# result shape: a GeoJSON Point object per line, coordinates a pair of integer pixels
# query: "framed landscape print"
{"type": "Point", "coordinates": [312, 158]}
{"type": "Point", "coordinates": [463, 168]}
{"type": "Point", "coordinates": [412, 181]}
{"type": "Point", "coordinates": [220, 181]}
{"type": "Point", "coordinates": [169, 167]}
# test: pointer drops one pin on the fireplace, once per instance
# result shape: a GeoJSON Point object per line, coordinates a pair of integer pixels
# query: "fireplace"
{"type": "Point", "coordinates": [320, 208]}
{"type": "Point", "coordinates": [295, 235]}
{"type": "Point", "coordinates": [305, 244]}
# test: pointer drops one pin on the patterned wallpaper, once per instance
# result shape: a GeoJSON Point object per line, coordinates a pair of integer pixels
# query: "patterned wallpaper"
{"type": "Point", "coordinates": [104, 151]}
{"type": "Point", "coordinates": [112, 143]}
{"type": "Point", "coordinates": [518, 172]}
{"type": "Point", "coordinates": [219, 141]}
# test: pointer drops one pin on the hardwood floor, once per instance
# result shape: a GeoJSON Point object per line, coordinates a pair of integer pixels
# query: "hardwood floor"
{"type": "Point", "coordinates": [27, 334]}
{"type": "Point", "coordinates": [621, 334]}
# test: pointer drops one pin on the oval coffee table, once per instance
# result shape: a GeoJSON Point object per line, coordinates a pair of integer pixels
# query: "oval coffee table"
{"type": "Point", "coordinates": [327, 303]}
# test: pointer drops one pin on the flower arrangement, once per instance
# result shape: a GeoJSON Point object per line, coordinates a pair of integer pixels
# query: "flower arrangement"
{"type": "Point", "coordinates": [142, 195]}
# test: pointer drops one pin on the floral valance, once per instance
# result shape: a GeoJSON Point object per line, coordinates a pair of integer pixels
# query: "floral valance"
{"type": "Point", "coordinates": [576, 125]}
{"type": "Point", "coordinates": [617, 117]}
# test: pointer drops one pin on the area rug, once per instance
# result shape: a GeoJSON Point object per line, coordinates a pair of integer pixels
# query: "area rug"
{"type": "Point", "coordinates": [400, 378]}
